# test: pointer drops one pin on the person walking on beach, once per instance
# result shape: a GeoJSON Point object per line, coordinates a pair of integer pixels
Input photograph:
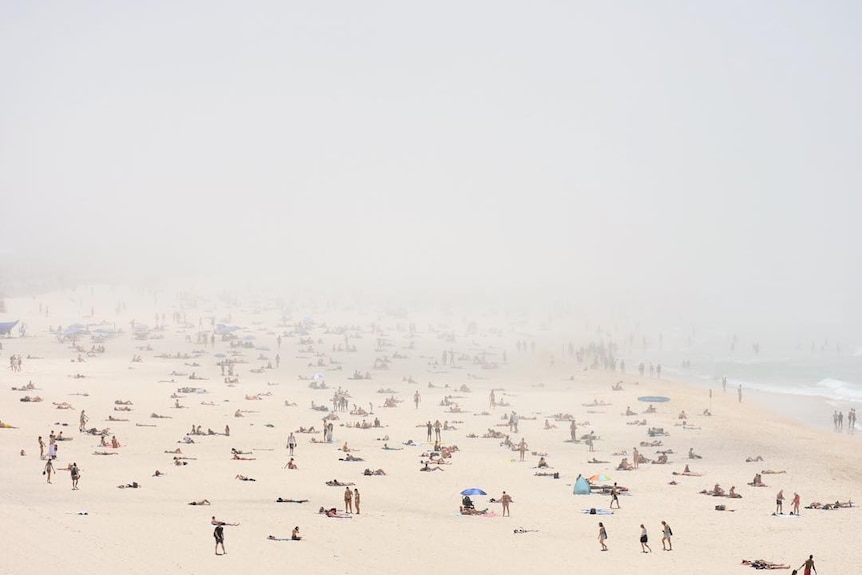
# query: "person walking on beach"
{"type": "Point", "coordinates": [82, 426]}
{"type": "Point", "coordinates": [603, 535]}
{"type": "Point", "coordinates": [666, 534]}
{"type": "Point", "coordinates": [645, 548]}
{"type": "Point", "coordinates": [779, 503]}
{"type": "Point", "coordinates": [348, 500]}
{"type": "Point", "coordinates": [218, 534]}
{"type": "Point", "coordinates": [41, 448]}
{"type": "Point", "coordinates": [808, 566]}
{"type": "Point", "coordinates": [49, 469]}
{"type": "Point", "coordinates": [615, 496]}
{"type": "Point", "coordinates": [506, 499]}
{"type": "Point", "coordinates": [76, 474]}
{"type": "Point", "coordinates": [291, 443]}
{"type": "Point", "coordinates": [356, 499]}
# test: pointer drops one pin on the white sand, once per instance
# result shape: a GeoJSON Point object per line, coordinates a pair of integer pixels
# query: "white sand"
{"type": "Point", "coordinates": [409, 520]}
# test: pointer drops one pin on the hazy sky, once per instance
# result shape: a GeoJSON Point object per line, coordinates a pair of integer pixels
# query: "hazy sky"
{"type": "Point", "coordinates": [702, 156]}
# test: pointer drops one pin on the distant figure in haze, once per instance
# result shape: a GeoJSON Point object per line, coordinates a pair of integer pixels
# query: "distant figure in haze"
{"type": "Point", "coordinates": [739, 393]}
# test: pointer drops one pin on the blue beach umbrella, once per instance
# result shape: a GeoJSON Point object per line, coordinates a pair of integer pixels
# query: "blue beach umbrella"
{"type": "Point", "coordinates": [473, 491]}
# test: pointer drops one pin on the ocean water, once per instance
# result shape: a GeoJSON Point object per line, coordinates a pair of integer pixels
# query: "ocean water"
{"type": "Point", "coordinates": [832, 377]}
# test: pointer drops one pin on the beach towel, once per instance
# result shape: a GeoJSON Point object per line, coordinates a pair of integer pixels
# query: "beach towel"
{"type": "Point", "coordinates": [594, 511]}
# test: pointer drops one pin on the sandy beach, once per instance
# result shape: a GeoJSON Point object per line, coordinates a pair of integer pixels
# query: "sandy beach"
{"type": "Point", "coordinates": [409, 519]}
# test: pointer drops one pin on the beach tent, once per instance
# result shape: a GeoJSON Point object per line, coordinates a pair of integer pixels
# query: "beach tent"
{"type": "Point", "coordinates": [6, 327]}
{"type": "Point", "coordinates": [582, 486]}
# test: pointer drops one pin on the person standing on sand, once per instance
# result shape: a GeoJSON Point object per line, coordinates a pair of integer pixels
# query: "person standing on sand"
{"type": "Point", "coordinates": [603, 535]}
{"type": "Point", "coordinates": [666, 534]}
{"type": "Point", "coordinates": [645, 548]}
{"type": "Point", "coordinates": [795, 504]}
{"type": "Point", "coordinates": [76, 474]}
{"type": "Point", "coordinates": [779, 503]}
{"type": "Point", "coordinates": [615, 496]}
{"type": "Point", "coordinates": [83, 421]}
{"type": "Point", "coordinates": [573, 431]}
{"type": "Point", "coordinates": [635, 457]}
{"type": "Point", "coordinates": [416, 398]}
{"type": "Point", "coordinates": [41, 448]}
{"type": "Point", "coordinates": [430, 428]}
{"type": "Point", "coordinates": [218, 534]}
{"type": "Point", "coordinates": [506, 499]}
{"type": "Point", "coordinates": [739, 393]}
{"type": "Point", "coordinates": [808, 565]}
{"type": "Point", "coordinates": [356, 499]}
{"type": "Point", "coordinates": [291, 443]}
{"type": "Point", "coordinates": [49, 469]}
{"type": "Point", "coordinates": [348, 500]}
{"type": "Point", "coordinates": [522, 448]}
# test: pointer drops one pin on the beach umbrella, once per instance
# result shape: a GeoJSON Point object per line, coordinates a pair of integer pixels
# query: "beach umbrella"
{"type": "Point", "coordinates": [601, 477]}
{"type": "Point", "coordinates": [654, 398]}
{"type": "Point", "coordinates": [473, 491]}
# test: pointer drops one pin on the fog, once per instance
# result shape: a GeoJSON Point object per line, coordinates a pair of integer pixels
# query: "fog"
{"type": "Point", "coordinates": [663, 161]}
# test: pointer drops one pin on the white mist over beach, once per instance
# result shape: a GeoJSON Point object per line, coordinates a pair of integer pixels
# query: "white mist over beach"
{"type": "Point", "coordinates": [667, 184]}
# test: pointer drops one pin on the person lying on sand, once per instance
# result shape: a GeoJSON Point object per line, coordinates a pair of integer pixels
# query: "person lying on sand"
{"type": "Point", "coordinates": [337, 483]}
{"type": "Point", "coordinates": [752, 459]}
{"type": "Point", "coordinates": [827, 506]}
{"type": "Point", "coordinates": [112, 418]}
{"type": "Point", "coordinates": [466, 511]}
{"type": "Point", "coordinates": [555, 475]}
{"type": "Point", "coordinates": [105, 453]}
{"type": "Point", "coordinates": [772, 472]}
{"type": "Point", "coordinates": [132, 485]}
{"type": "Point", "coordinates": [594, 460]}
{"type": "Point", "coordinates": [333, 512]}
{"type": "Point", "coordinates": [200, 502]}
{"type": "Point", "coordinates": [375, 472]}
{"type": "Point", "coordinates": [282, 500]}
{"type": "Point", "coordinates": [426, 467]}
{"type": "Point", "coordinates": [763, 564]}
{"type": "Point", "coordinates": [245, 478]}
{"type": "Point", "coordinates": [29, 399]}
{"type": "Point", "coordinates": [349, 457]}
{"type": "Point", "coordinates": [215, 521]}
{"type": "Point", "coordinates": [238, 458]}
{"type": "Point", "coordinates": [688, 472]}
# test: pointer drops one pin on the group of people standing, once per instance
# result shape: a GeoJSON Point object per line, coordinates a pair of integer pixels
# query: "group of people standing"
{"type": "Point", "coordinates": [666, 534]}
